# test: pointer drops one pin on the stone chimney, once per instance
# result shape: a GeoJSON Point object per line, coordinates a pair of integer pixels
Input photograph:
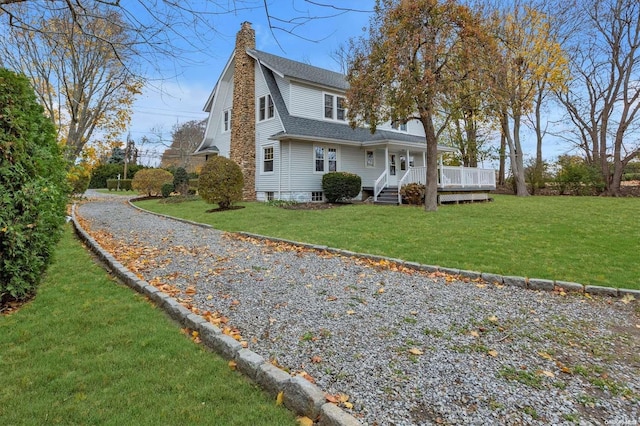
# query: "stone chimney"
{"type": "Point", "coordinates": [243, 115]}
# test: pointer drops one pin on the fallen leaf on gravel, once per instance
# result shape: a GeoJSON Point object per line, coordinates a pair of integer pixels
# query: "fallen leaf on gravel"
{"type": "Point", "coordinates": [350, 312]}
{"type": "Point", "coordinates": [493, 353]}
{"type": "Point", "coordinates": [209, 297]}
{"type": "Point", "coordinates": [545, 356]}
{"type": "Point", "coordinates": [415, 351]}
{"type": "Point", "coordinates": [545, 373]}
{"type": "Point", "coordinates": [343, 397]}
{"type": "Point", "coordinates": [232, 365]}
{"type": "Point", "coordinates": [331, 398]}
{"type": "Point", "coordinates": [475, 334]}
{"type": "Point", "coordinates": [627, 298]}
{"type": "Point", "coordinates": [563, 368]}
{"type": "Point", "coordinates": [316, 359]}
{"type": "Point", "coordinates": [481, 285]}
{"type": "Point", "coordinates": [280, 398]}
{"type": "Point", "coordinates": [332, 298]}
{"type": "Point", "coordinates": [304, 421]}
{"type": "Point", "coordinates": [244, 344]}
{"type": "Point", "coordinates": [348, 405]}
{"type": "Point", "coordinates": [306, 376]}
{"type": "Point", "coordinates": [381, 290]}
{"type": "Point", "coordinates": [493, 318]}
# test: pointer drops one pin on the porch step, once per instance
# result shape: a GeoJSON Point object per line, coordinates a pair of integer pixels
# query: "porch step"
{"type": "Point", "coordinates": [388, 196]}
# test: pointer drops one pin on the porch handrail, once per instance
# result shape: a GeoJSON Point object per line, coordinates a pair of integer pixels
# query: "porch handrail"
{"type": "Point", "coordinates": [381, 183]}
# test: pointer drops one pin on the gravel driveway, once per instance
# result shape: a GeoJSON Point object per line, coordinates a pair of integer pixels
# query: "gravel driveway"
{"type": "Point", "coordinates": [407, 347]}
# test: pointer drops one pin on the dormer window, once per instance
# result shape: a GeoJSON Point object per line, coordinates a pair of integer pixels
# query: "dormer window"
{"type": "Point", "coordinates": [397, 125]}
{"type": "Point", "coordinates": [266, 109]}
{"type": "Point", "coordinates": [335, 107]}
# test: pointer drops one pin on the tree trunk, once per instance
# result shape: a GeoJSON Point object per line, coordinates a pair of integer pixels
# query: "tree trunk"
{"type": "Point", "coordinates": [502, 153]}
{"type": "Point", "coordinates": [431, 195]}
{"type": "Point", "coordinates": [515, 155]}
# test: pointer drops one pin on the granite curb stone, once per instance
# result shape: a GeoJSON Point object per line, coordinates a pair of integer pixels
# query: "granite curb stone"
{"type": "Point", "coordinates": [515, 281]}
{"type": "Point", "coordinates": [332, 415]}
{"type": "Point", "coordinates": [601, 291]}
{"type": "Point", "coordinates": [569, 286]}
{"type": "Point", "coordinates": [540, 284]}
{"type": "Point", "coordinates": [300, 395]}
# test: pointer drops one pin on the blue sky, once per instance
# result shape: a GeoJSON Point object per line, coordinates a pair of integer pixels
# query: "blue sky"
{"type": "Point", "coordinates": [181, 98]}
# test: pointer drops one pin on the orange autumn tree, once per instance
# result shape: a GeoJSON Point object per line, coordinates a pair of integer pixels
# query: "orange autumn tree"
{"type": "Point", "coordinates": [411, 58]}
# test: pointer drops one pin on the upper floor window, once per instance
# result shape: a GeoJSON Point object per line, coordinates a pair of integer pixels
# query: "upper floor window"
{"type": "Point", "coordinates": [334, 107]}
{"type": "Point", "coordinates": [266, 109]}
{"type": "Point", "coordinates": [226, 120]}
{"type": "Point", "coordinates": [397, 125]}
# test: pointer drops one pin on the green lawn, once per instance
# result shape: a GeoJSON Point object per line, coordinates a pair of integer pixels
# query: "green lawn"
{"type": "Point", "coordinates": [591, 240]}
{"type": "Point", "coordinates": [87, 350]}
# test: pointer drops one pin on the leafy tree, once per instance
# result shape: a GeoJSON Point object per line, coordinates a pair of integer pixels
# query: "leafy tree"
{"type": "Point", "coordinates": [78, 177]}
{"type": "Point", "coordinates": [530, 63]}
{"type": "Point", "coordinates": [82, 74]}
{"type": "Point", "coordinates": [221, 182]}
{"type": "Point", "coordinates": [411, 57]}
{"type": "Point", "coordinates": [117, 156]}
{"type": "Point", "coordinates": [150, 181]}
{"type": "Point", "coordinates": [33, 189]}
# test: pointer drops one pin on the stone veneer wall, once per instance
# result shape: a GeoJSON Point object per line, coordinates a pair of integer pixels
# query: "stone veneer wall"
{"type": "Point", "coordinates": [243, 115]}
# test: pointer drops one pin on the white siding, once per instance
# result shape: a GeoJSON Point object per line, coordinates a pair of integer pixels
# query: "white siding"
{"type": "Point", "coordinates": [223, 101]}
{"type": "Point", "coordinates": [305, 101]}
{"type": "Point", "coordinates": [264, 130]}
{"type": "Point", "coordinates": [284, 86]}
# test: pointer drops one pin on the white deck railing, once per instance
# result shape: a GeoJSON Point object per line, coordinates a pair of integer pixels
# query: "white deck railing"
{"type": "Point", "coordinates": [466, 177]}
{"type": "Point", "coordinates": [381, 183]}
{"type": "Point", "coordinates": [448, 178]}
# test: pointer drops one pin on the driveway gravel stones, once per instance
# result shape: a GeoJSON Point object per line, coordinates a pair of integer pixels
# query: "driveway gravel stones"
{"type": "Point", "coordinates": [406, 346]}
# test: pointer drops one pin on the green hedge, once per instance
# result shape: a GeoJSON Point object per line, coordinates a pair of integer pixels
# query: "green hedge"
{"type": "Point", "coordinates": [101, 173]}
{"type": "Point", "coordinates": [125, 184]}
{"type": "Point", "coordinates": [341, 186]}
{"type": "Point", "coordinates": [33, 188]}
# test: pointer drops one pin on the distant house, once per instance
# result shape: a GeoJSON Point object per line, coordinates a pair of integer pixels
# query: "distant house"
{"type": "Point", "coordinates": [284, 122]}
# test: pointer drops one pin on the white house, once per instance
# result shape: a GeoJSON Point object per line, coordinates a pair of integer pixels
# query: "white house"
{"type": "Point", "coordinates": [285, 123]}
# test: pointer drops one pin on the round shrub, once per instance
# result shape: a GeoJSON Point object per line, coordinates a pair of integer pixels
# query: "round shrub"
{"type": "Point", "coordinates": [341, 186]}
{"type": "Point", "coordinates": [33, 189]}
{"type": "Point", "coordinates": [166, 190]}
{"type": "Point", "coordinates": [150, 181]}
{"type": "Point", "coordinates": [78, 178]}
{"type": "Point", "coordinates": [413, 193]}
{"type": "Point", "coordinates": [221, 182]}
{"type": "Point", "coordinates": [181, 181]}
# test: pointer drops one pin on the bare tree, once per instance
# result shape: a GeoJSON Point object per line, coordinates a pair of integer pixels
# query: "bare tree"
{"type": "Point", "coordinates": [603, 99]}
{"type": "Point", "coordinates": [185, 138]}
{"type": "Point", "coordinates": [83, 83]}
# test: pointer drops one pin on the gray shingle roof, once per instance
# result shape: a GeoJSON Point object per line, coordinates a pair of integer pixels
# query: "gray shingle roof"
{"type": "Point", "coordinates": [321, 129]}
{"type": "Point", "coordinates": [301, 71]}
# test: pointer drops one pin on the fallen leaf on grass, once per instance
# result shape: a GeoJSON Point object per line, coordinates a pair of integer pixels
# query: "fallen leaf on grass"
{"type": "Point", "coordinates": [304, 421]}
{"type": "Point", "coordinates": [415, 351]}
{"type": "Point", "coordinates": [232, 365]}
{"type": "Point", "coordinates": [280, 398]}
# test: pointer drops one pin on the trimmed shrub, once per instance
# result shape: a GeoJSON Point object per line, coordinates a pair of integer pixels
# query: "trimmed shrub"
{"type": "Point", "coordinates": [221, 182]}
{"type": "Point", "coordinates": [149, 181]}
{"type": "Point", "coordinates": [101, 173]}
{"type": "Point", "coordinates": [631, 176]}
{"type": "Point", "coordinates": [413, 193]}
{"type": "Point", "coordinates": [33, 189]}
{"type": "Point", "coordinates": [166, 190]}
{"type": "Point", "coordinates": [181, 181]}
{"type": "Point", "coordinates": [78, 178]}
{"type": "Point", "coordinates": [341, 186]}
{"type": "Point", "coordinates": [125, 184]}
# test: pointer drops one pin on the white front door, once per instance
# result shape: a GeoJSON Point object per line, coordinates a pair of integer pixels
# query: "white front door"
{"type": "Point", "coordinates": [393, 169]}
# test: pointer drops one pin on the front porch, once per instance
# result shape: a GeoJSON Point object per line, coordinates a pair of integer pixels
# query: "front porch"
{"type": "Point", "coordinates": [455, 184]}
